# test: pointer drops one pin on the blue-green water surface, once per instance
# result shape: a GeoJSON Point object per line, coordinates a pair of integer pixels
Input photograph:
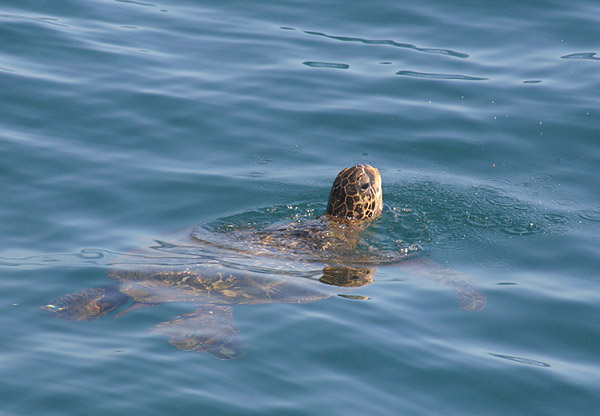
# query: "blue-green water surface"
{"type": "Point", "coordinates": [123, 121]}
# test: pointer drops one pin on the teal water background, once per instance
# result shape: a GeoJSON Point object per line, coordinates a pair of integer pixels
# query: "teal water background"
{"type": "Point", "coordinates": [126, 120]}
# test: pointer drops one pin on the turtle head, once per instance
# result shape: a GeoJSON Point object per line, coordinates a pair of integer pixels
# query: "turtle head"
{"type": "Point", "coordinates": [356, 194]}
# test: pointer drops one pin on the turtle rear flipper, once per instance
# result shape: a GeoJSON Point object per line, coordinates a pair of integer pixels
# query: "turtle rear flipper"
{"type": "Point", "coordinates": [209, 329]}
{"type": "Point", "coordinates": [87, 305]}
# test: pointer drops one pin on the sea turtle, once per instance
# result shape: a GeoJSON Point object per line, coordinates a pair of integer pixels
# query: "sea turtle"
{"type": "Point", "coordinates": [297, 262]}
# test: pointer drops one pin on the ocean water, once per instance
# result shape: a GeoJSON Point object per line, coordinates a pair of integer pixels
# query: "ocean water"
{"type": "Point", "coordinates": [125, 121]}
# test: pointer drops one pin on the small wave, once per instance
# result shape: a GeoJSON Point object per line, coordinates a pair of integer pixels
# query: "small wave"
{"type": "Point", "coordinates": [521, 360]}
{"type": "Point", "coordinates": [495, 263]}
{"type": "Point", "coordinates": [521, 229]}
{"type": "Point", "coordinates": [87, 256]}
{"type": "Point", "coordinates": [592, 279]}
{"type": "Point", "coordinates": [139, 3]}
{"type": "Point", "coordinates": [582, 55]}
{"type": "Point", "coordinates": [592, 215]}
{"type": "Point", "coordinates": [330, 65]}
{"type": "Point", "coordinates": [479, 220]}
{"type": "Point", "coordinates": [440, 76]}
{"type": "Point", "coordinates": [455, 217]}
{"type": "Point", "coordinates": [387, 42]}
{"type": "Point", "coordinates": [503, 200]}
{"type": "Point", "coordinates": [49, 20]}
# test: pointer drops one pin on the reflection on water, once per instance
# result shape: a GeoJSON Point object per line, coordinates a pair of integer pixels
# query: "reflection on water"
{"type": "Point", "coordinates": [448, 52]}
{"type": "Point", "coordinates": [521, 360]}
{"type": "Point", "coordinates": [125, 119]}
{"type": "Point", "coordinates": [440, 76]}
{"type": "Point", "coordinates": [213, 279]}
{"type": "Point", "coordinates": [244, 259]}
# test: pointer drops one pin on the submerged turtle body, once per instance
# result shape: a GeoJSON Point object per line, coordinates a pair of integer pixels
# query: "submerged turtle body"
{"type": "Point", "coordinates": [298, 262]}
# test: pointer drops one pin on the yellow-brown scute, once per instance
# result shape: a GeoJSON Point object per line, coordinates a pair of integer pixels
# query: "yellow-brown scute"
{"type": "Point", "coordinates": [356, 194]}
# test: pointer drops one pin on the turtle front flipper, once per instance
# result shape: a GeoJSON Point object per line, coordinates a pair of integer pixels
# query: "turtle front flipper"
{"type": "Point", "coordinates": [209, 329]}
{"type": "Point", "coordinates": [87, 305]}
{"type": "Point", "coordinates": [469, 298]}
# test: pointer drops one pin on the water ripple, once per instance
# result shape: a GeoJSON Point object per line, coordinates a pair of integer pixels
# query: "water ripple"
{"type": "Point", "coordinates": [331, 65]}
{"type": "Point", "coordinates": [592, 215]}
{"type": "Point", "coordinates": [49, 20]}
{"type": "Point", "coordinates": [521, 229]}
{"type": "Point", "coordinates": [582, 55]}
{"type": "Point", "coordinates": [97, 257]}
{"type": "Point", "coordinates": [139, 3]}
{"type": "Point", "coordinates": [439, 76]}
{"type": "Point", "coordinates": [387, 42]}
{"type": "Point", "coordinates": [521, 360]}
{"type": "Point", "coordinates": [495, 263]}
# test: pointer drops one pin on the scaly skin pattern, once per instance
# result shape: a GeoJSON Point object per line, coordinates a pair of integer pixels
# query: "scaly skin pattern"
{"type": "Point", "coordinates": [356, 194]}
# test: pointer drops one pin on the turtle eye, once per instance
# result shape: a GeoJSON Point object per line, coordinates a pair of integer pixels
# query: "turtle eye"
{"type": "Point", "coordinates": [365, 186]}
